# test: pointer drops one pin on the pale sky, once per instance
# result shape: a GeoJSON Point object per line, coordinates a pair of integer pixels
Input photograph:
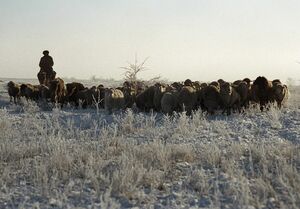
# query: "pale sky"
{"type": "Point", "coordinates": [197, 39]}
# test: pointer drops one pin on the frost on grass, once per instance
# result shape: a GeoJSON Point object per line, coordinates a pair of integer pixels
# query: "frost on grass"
{"type": "Point", "coordinates": [63, 158]}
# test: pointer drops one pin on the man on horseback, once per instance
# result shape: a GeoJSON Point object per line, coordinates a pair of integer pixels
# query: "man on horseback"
{"type": "Point", "coordinates": [46, 73]}
{"type": "Point", "coordinates": [46, 62]}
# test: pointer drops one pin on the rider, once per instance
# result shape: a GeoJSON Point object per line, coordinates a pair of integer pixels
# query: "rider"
{"type": "Point", "coordinates": [46, 62]}
{"type": "Point", "coordinates": [46, 73]}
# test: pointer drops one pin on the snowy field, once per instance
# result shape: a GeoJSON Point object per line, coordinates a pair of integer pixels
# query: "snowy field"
{"type": "Point", "coordinates": [68, 158]}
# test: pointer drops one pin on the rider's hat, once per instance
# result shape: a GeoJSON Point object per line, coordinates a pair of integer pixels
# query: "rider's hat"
{"type": "Point", "coordinates": [45, 52]}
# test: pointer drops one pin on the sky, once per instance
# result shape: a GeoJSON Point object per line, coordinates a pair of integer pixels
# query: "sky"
{"type": "Point", "coordinates": [198, 39]}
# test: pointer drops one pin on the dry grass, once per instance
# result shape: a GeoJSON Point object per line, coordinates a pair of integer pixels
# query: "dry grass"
{"type": "Point", "coordinates": [63, 160]}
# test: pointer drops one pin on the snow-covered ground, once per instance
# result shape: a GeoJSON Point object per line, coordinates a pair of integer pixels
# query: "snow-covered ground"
{"type": "Point", "coordinates": [62, 158]}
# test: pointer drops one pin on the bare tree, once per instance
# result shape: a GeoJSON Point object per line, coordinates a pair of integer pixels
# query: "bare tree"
{"type": "Point", "coordinates": [133, 69]}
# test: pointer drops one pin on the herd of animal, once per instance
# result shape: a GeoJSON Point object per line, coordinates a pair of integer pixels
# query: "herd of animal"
{"type": "Point", "coordinates": [179, 96]}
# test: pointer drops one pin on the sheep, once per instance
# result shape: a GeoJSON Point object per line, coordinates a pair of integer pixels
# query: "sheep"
{"type": "Point", "coordinates": [216, 84]}
{"type": "Point", "coordinates": [197, 85]}
{"type": "Point", "coordinates": [187, 99]}
{"type": "Point", "coordinates": [210, 98]}
{"type": "Point", "coordinates": [113, 99]}
{"type": "Point", "coordinates": [221, 81]}
{"type": "Point", "coordinates": [188, 82]}
{"type": "Point", "coordinates": [203, 85]}
{"type": "Point", "coordinates": [243, 89]}
{"type": "Point", "coordinates": [137, 86]}
{"type": "Point", "coordinates": [280, 94]}
{"type": "Point", "coordinates": [177, 85]}
{"type": "Point", "coordinates": [248, 81]}
{"type": "Point", "coordinates": [169, 102]}
{"type": "Point", "coordinates": [87, 97]}
{"type": "Point", "coordinates": [229, 98]}
{"type": "Point", "coordinates": [57, 90]}
{"type": "Point", "coordinates": [158, 93]}
{"type": "Point", "coordinates": [237, 82]}
{"type": "Point", "coordinates": [261, 91]}
{"type": "Point", "coordinates": [71, 92]}
{"type": "Point", "coordinates": [13, 91]}
{"type": "Point", "coordinates": [144, 100]}
{"type": "Point", "coordinates": [129, 95]}
{"type": "Point", "coordinates": [200, 97]}
{"type": "Point", "coordinates": [30, 91]}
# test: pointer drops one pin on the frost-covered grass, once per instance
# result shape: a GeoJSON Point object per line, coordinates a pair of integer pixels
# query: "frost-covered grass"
{"type": "Point", "coordinates": [83, 158]}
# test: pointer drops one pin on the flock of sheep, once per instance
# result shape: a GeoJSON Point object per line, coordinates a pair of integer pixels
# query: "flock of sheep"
{"type": "Point", "coordinates": [167, 98]}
